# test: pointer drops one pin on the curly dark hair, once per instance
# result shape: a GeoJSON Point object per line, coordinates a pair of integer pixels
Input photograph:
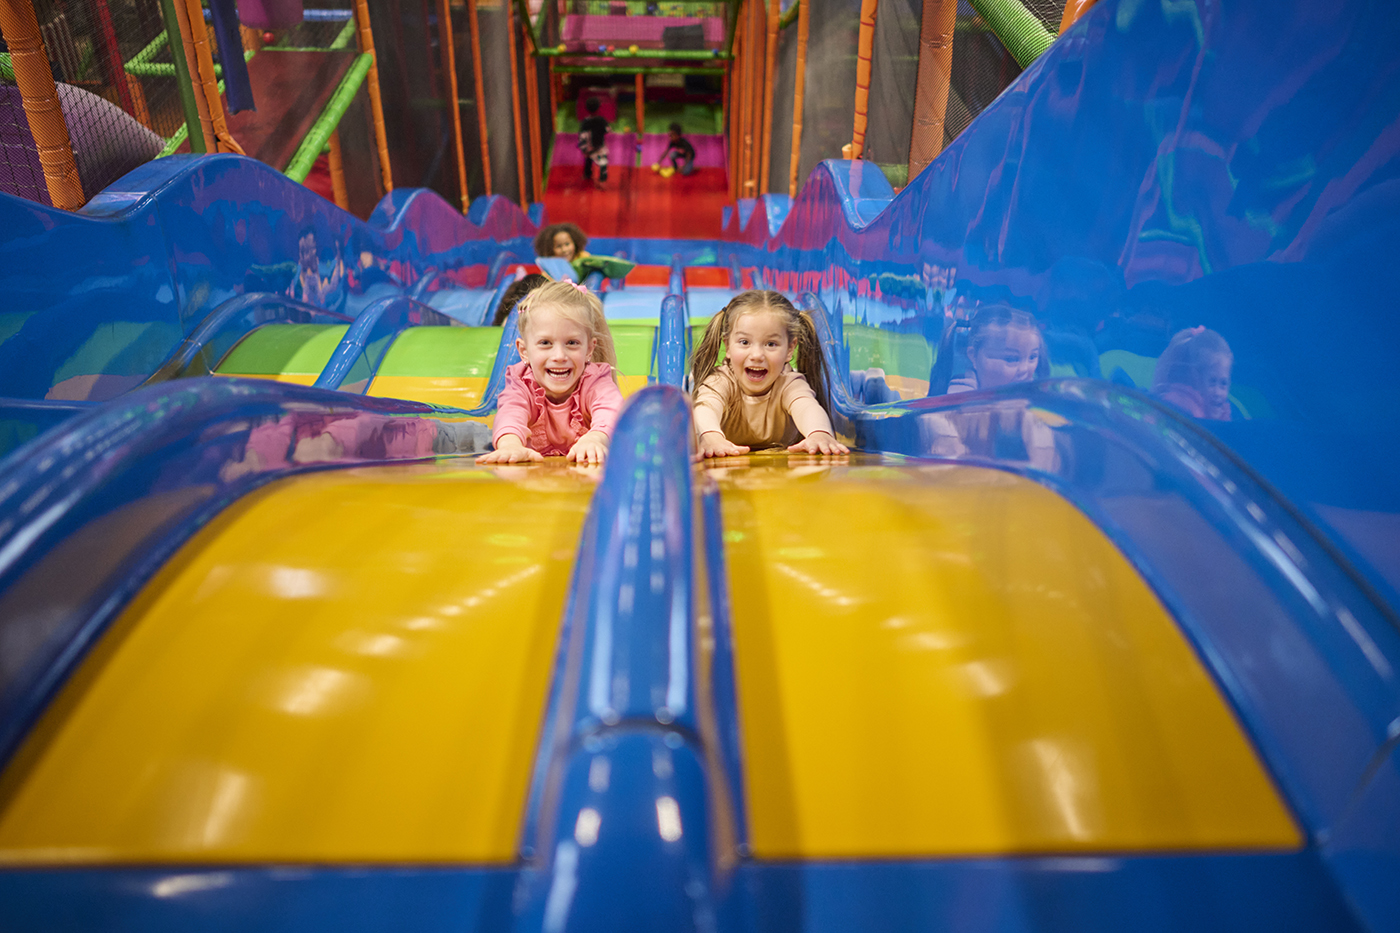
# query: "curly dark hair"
{"type": "Point", "coordinates": [513, 294]}
{"type": "Point", "coordinates": [544, 240]}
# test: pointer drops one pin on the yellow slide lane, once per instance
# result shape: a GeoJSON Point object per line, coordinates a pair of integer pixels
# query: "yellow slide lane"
{"type": "Point", "coordinates": [946, 661]}
{"type": "Point", "coordinates": [348, 666]}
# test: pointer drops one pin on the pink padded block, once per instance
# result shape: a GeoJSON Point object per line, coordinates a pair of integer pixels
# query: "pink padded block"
{"type": "Point", "coordinates": [621, 150]}
{"type": "Point", "coordinates": [643, 31]}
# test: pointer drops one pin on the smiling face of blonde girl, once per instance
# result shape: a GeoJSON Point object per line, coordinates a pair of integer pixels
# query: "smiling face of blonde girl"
{"type": "Point", "coordinates": [557, 348]}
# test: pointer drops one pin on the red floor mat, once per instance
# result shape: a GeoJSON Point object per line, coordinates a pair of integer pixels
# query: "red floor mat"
{"type": "Point", "coordinates": [639, 202]}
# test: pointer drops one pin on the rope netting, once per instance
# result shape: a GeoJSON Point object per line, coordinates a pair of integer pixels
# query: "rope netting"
{"type": "Point", "coordinates": [118, 95]}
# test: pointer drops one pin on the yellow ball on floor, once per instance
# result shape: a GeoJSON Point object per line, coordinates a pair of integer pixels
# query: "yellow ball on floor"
{"type": "Point", "coordinates": [632, 49]}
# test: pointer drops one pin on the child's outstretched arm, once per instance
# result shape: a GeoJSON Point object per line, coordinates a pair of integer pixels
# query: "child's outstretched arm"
{"type": "Point", "coordinates": [812, 420]}
{"type": "Point", "coordinates": [709, 411]}
{"type": "Point", "coordinates": [512, 425]}
{"type": "Point", "coordinates": [603, 399]}
{"type": "Point", "coordinates": [511, 449]}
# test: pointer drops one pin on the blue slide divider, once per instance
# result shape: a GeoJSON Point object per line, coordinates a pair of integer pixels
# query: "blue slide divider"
{"type": "Point", "coordinates": [202, 351]}
{"type": "Point", "coordinates": [672, 341]}
{"type": "Point", "coordinates": [356, 358]}
{"type": "Point", "coordinates": [625, 786]}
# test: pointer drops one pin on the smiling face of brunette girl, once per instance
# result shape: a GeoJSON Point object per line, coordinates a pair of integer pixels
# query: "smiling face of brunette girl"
{"type": "Point", "coordinates": [756, 350]}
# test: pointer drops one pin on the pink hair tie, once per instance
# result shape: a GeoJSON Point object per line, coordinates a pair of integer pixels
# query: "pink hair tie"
{"type": "Point", "coordinates": [580, 287]}
{"type": "Point", "coordinates": [1197, 330]}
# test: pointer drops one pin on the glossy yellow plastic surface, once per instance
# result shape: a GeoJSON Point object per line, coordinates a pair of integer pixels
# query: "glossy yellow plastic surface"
{"type": "Point", "coordinates": [944, 661]}
{"type": "Point", "coordinates": [348, 666]}
{"type": "Point", "coordinates": [299, 379]}
{"type": "Point", "coordinates": [455, 391]}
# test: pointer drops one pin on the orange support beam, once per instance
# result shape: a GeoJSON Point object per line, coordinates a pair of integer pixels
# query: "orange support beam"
{"type": "Point", "coordinates": [337, 167]}
{"type": "Point", "coordinates": [641, 90]}
{"type": "Point", "coordinates": [480, 90]}
{"type": "Point", "coordinates": [381, 136]}
{"type": "Point", "coordinates": [770, 65]}
{"type": "Point", "coordinates": [447, 39]}
{"type": "Point", "coordinates": [799, 94]}
{"type": "Point", "coordinates": [864, 50]}
{"type": "Point", "coordinates": [931, 91]}
{"type": "Point", "coordinates": [39, 94]}
{"type": "Point", "coordinates": [1073, 10]}
{"type": "Point", "coordinates": [515, 104]}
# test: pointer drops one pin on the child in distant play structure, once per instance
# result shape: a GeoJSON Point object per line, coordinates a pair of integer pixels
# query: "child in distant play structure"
{"type": "Point", "coordinates": [564, 240]}
{"type": "Point", "coordinates": [1004, 347]}
{"type": "Point", "coordinates": [562, 398]}
{"type": "Point", "coordinates": [1193, 374]}
{"type": "Point", "coordinates": [567, 241]}
{"type": "Point", "coordinates": [680, 153]}
{"type": "Point", "coordinates": [592, 139]}
{"type": "Point", "coordinates": [522, 287]}
{"type": "Point", "coordinates": [753, 398]}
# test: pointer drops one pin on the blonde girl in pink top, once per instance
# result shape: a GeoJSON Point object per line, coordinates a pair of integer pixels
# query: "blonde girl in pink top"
{"type": "Point", "coordinates": [562, 398]}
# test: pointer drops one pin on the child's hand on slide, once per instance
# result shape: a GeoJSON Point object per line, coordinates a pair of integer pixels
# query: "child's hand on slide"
{"type": "Point", "coordinates": [591, 448]}
{"type": "Point", "coordinates": [511, 449]}
{"type": "Point", "coordinates": [715, 444]}
{"type": "Point", "coordinates": [819, 442]}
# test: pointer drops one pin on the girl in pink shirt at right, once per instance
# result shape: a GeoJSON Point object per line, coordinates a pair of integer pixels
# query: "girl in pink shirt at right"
{"type": "Point", "coordinates": [562, 398]}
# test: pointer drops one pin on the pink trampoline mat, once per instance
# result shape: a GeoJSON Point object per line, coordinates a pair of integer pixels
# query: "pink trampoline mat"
{"type": "Point", "coordinates": [642, 31]}
{"type": "Point", "coordinates": [622, 150]}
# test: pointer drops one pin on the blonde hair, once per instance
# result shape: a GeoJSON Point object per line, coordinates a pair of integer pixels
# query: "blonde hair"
{"type": "Point", "coordinates": [577, 304]}
{"type": "Point", "coordinates": [801, 330]}
{"type": "Point", "coordinates": [1186, 357]}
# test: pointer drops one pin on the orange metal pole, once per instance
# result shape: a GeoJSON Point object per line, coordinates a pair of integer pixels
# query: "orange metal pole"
{"type": "Point", "coordinates": [931, 91]}
{"type": "Point", "coordinates": [553, 97]}
{"type": "Point", "coordinates": [640, 85]}
{"type": "Point", "coordinates": [204, 58]}
{"type": "Point", "coordinates": [770, 65]}
{"type": "Point", "coordinates": [376, 106]}
{"type": "Point", "coordinates": [532, 101]}
{"type": "Point", "coordinates": [735, 126]}
{"type": "Point", "coordinates": [39, 94]}
{"type": "Point", "coordinates": [799, 94]}
{"type": "Point", "coordinates": [752, 102]}
{"type": "Point", "coordinates": [206, 123]}
{"type": "Point", "coordinates": [864, 51]}
{"type": "Point", "coordinates": [139, 110]}
{"type": "Point", "coordinates": [447, 37]}
{"type": "Point", "coordinates": [515, 103]}
{"type": "Point", "coordinates": [1073, 10]}
{"type": "Point", "coordinates": [480, 92]}
{"type": "Point", "coordinates": [337, 166]}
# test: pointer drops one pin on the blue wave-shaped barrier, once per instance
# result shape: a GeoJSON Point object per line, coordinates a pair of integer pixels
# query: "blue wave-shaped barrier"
{"type": "Point", "coordinates": [1162, 166]}
{"type": "Point", "coordinates": [96, 302]}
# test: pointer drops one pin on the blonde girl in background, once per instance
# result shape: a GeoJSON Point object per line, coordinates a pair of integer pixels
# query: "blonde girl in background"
{"type": "Point", "coordinates": [562, 398]}
{"type": "Point", "coordinates": [1193, 374]}
{"type": "Point", "coordinates": [752, 398]}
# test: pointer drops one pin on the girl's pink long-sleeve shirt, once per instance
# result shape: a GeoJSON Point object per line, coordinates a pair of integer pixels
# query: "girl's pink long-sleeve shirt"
{"type": "Point", "coordinates": [553, 427]}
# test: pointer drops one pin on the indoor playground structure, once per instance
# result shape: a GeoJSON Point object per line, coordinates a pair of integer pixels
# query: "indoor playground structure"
{"type": "Point", "coordinates": [1091, 650]}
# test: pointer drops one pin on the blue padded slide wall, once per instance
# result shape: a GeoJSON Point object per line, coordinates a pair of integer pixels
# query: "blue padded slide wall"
{"type": "Point", "coordinates": [94, 302]}
{"type": "Point", "coordinates": [1164, 165]}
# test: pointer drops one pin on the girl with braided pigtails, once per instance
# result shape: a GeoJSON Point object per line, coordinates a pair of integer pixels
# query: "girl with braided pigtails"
{"type": "Point", "coordinates": [751, 398]}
